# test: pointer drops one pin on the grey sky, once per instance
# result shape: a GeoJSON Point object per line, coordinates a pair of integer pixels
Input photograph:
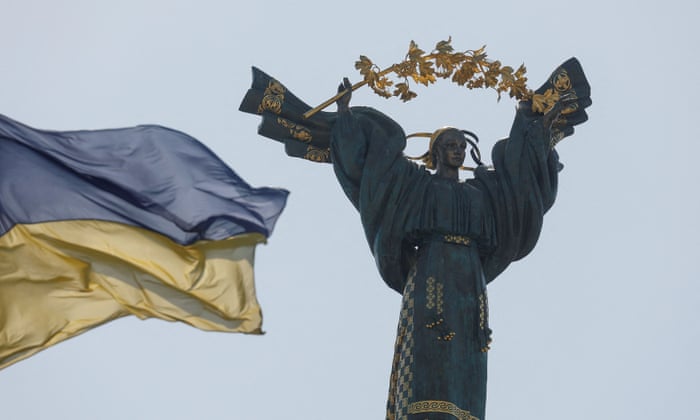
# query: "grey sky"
{"type": "Point", "coordinates": [599, 321]}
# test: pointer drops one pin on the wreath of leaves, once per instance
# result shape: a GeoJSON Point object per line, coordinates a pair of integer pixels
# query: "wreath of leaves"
{"type": "Point", "coordinates": [470, 69]}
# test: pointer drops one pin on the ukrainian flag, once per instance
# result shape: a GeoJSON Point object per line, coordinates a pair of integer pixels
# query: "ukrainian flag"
{"type": "Point", "coordinates": [145, 221]}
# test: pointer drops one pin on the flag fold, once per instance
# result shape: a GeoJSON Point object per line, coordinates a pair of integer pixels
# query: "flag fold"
{"type": "Point", "coordinates": [145, 221]}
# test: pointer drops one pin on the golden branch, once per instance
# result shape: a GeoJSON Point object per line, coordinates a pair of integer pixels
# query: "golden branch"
{"type": "Point", "coordinates": [342, 93]}
{"type": "Point", "coordinates": [469, 68]}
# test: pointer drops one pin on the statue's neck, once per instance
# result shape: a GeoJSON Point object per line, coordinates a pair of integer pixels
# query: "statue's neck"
{"type": "Point", "coordinates": [448, 173]}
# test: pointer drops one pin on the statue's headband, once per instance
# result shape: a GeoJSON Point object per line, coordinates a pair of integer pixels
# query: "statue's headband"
{"type": "Point", "coordinates": [427, 157]}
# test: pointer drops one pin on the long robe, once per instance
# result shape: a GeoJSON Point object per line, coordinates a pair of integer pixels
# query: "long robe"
{"type": "Point", "coordinates": [443, 240]}
{"type": "Point", "coordinates": [436, 241]}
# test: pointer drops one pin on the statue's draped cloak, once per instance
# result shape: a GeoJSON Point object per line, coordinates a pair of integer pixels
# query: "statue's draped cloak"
{"type": "Point", "coordinates": [437, 242]}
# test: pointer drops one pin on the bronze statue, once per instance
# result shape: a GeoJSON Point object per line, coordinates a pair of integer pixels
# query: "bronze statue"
{"type": "Point", "coordinates": [436, 240]}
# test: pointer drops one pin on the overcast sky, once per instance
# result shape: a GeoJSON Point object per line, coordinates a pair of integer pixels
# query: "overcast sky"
{"type": "Point", "coordinates": [599, 321]}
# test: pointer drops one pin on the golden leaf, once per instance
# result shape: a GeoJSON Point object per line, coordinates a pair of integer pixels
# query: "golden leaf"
{"type": "Point", "coordinates": [457, 58]}
{"type": "Point", "coordinates": [426, 73]}
{"type": "Point", "coordinates": [426, 67]}
{"type": "Point", "coordinates": [423, 80]}
{"type": "Point", "coordinates": [371, 78]}
{"type": "Point", "coordinates": [490, 80]}
{"type": "Point", "coordinates": [408, 96]}
{"type": "Point", "coordinates": [414, 53]}
{"type": "Point", "coordinates": [507, 78]}
{"type": "Point", "coordinates": [463, 75]}
{"type": "Point", "coordinates": [382, 82]}
{"type": "Point", "coordinates": [519, 90]}
{"type": "Point", "coordinates": [403, 92]}
{"type": "Point", "coordinates": [479, 55]}
{"type": "Point", "coordinates": [544, 102]}
{"type": "Point", "coordinates": [467, 68]}
{"type": "Point", "coordinates": [476, 83]}
{"type": "Point", "coordinates": [383, 92]}
{"type": "Point", "coordinates": [444, 47]}
{"type": "Point", "coordinates": [444, 67]}
{"type": "Point", "coordinates": [364, 65]}
{"type": "Point", "coordinates": [405, 69]}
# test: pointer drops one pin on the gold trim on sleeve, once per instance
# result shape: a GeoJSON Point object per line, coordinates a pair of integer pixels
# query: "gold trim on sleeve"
{"type": "Point", "coordinates": [297, 131]}
{"type": "Point", "coordinates": [457, 239]}
{"type": "Point", "coordinates": [273, 98]}
{"type": "Point", "coordinates": [317, 154]}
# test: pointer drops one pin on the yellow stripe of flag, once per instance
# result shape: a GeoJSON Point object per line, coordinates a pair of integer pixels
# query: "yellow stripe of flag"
{"type": "Point", "coordinates": [58, 279]}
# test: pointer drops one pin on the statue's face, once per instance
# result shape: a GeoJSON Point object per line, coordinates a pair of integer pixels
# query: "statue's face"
{"type": "Point", "coordinates": [451, 149]}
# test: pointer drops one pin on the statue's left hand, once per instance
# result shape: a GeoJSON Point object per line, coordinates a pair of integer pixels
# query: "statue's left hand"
{"type": "Point", "coordinates": [556, 110]}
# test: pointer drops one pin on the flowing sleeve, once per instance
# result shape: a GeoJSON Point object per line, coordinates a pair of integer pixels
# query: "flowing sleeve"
{"type": "Point", "coordinates": [519, 190]}
{"type": "Point", "coordinates": [522, 186]}
{"type": "Point", "coordinates": [367, 155]}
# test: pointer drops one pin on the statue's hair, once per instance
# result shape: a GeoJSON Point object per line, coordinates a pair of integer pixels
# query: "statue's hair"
{"type": "Point", "coordinates": [427, 157]}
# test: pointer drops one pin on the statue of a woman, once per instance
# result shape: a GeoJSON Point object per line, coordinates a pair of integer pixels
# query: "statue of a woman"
{"type": "Point", "coordinates": [436, 240]}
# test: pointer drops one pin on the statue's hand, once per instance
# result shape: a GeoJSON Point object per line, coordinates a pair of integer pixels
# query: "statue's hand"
{"type": "Point", "coordinates": [554, 113]}
{"type": "Point", "coordinates": [344, 101]}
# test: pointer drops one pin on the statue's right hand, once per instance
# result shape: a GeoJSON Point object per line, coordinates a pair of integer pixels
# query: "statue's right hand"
{"type": "Point", "coordinates": [344, 101]}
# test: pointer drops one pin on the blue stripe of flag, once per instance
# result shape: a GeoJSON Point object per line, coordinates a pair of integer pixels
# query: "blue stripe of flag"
{"type": "Point", "coordinates": [146, 176]}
